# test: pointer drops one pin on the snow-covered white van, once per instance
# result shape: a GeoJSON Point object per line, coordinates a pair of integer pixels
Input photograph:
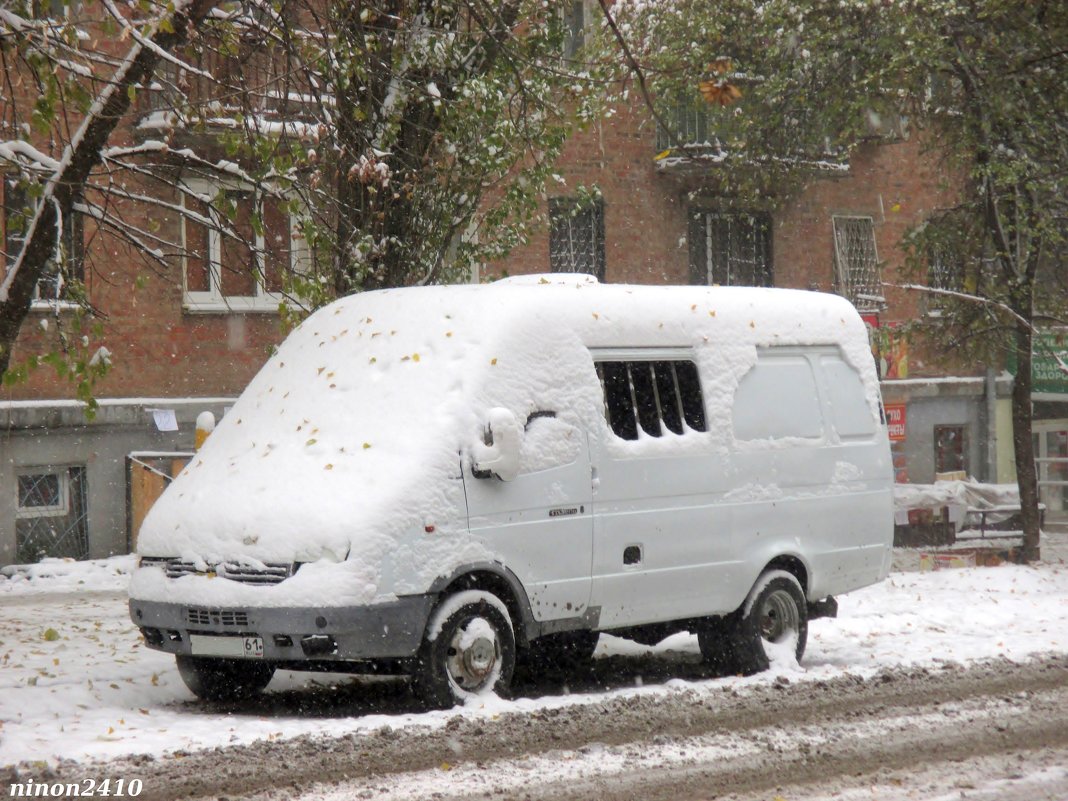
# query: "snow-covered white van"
{"type": "Point", "coordinates": [438, 481]}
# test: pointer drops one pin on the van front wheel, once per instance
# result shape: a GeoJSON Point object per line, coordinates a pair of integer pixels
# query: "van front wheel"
{"type": "Point", "coordinates": [223, 679]}
{"type": "Point", "coordinates": [771, 625]}
{"type": "Point", "coordinates": [468, 650]}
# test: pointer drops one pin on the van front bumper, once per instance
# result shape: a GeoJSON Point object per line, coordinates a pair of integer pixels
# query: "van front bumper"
{"type": "Point", "coordinates": [380, 631]}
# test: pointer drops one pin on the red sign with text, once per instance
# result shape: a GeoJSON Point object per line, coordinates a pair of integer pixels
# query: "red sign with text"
{"type": "Point", "coordinates": [895, 421]}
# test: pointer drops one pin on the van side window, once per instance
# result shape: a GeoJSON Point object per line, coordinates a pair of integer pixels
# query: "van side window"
{"type": "Point", "coordinates": [659, 396]}
{"type": "Point", "coordinates": [776, 399]}
{"type": "Point", "coordinates": [850, 411]}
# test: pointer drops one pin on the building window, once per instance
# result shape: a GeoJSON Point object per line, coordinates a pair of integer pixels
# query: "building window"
{"type": "Point", "coordinates": [950, 450]}
{"type": "Point", "coordinates": [67, 263]}
{"type": "Point", "coordinates": [656, 397]}
{"type": "Point", "coordinates": [238, 248]}
{"type": "Point", "coordinates": [730, 249]}
{"type": "Point", "coordinates": [945, 270]}
{"type": "Point", "coordinates": [576, 236]}
{"type": "Point", "coordinates": [856, 262]}
{"type": "Point", "coordinates": [42, 494]}
{"type": "Point", "coordinates": [51, 514]}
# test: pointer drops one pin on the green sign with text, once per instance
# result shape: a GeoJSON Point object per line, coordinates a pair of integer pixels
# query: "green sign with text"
{"type": "Point", "coordinates": [1048, 368]}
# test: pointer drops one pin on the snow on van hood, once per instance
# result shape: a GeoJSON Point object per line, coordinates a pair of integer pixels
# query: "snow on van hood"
{"type": "Point", "coordinates": [347, 443]}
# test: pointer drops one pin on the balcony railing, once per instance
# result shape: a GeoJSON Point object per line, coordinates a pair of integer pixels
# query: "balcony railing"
{"type": "Point", "coordinates": [248, 83]}
{"type": "Point", "coordinates": [708, 135]}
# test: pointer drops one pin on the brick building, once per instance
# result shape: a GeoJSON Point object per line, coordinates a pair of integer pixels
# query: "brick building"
{"type": "Point", "coordinates": [187, 340]}
{"type": "Point", "coordinates": [674, 221]}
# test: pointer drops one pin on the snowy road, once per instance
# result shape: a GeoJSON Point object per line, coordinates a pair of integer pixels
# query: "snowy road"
{"type": "Point", "coordinates": [914, 676]}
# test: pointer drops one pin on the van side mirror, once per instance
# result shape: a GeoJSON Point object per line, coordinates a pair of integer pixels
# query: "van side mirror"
{"type": "Point", "coordinates": [499, 454]}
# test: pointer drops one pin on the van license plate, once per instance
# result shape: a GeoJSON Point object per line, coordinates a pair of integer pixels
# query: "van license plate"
{"type": "Point", "coordinates": [235, 647]}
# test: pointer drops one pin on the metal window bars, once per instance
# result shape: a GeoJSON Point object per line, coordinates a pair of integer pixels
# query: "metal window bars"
{"type": "Point", "coordinates": [856, 262]}
{"type": "Point", "coordinates": [737, 249]}
{"type": "Point", "coordinates": [576, 236]}
{"type": "Point", "coordinates": [52, 518]}
{"type": "Point", "coordinates": [655, 396]}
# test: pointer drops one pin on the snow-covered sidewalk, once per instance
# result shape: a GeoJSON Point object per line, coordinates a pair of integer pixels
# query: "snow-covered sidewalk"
{"type": "Point", "coordinates": [77, 683]}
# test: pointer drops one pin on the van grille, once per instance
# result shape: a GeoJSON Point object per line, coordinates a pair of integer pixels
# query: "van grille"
{"type": "Point", "coordinates": [217, 617]}
{"type": "Point", "coordinates": [247, 574]}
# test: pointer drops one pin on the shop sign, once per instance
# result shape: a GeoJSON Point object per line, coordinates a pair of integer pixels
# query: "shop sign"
{"type": "Point", "coordinates": [895, 421]}
{"type": "Point", "coordinates": [1049, 351]}
{"type": "Point", "coordinates": [1046, 371]}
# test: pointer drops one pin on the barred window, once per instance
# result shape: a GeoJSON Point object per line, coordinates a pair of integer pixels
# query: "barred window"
{"type": "Point", "coordinates": [730, 249]}
{"type": "Point", "coordinates": [656, 396]}
{"type": "Point", "coordinates": [51, 517]}
{"type": "Point", "coordinates": [945, 268]}
{"type": "Point", "coordinates": [576, 236]}
{"type": "Point", "coordinates": [856, 262]}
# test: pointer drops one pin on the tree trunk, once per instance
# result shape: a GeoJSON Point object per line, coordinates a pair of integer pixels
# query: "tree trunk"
{"type": "Point", "coordinates": [1023, 446]}
{"type": "Point", "coordinates": [85, 156]}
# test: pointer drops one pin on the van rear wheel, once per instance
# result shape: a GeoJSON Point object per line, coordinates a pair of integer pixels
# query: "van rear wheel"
{"type": "Point", "coordinates": [468, 650]}
{"type": "Point", "coordinates": [223, 679]}
{"type": "Point", "coordinates": [772, 623]}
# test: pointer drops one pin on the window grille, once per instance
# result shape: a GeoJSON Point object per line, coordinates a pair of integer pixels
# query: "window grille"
{"type": "Point", "coordinates": [51, 519]}
{"type": "Point", "coordinates": [856, 262]}
{"type": "Point", "coordinates": [691, 125]}
{"type": "Point", "coordinates": [657, 396]}
{"type": "Point", "coordinates": [576, 236]}
{"type": "Point", "coordinates": [945, 269]}
{"type": "Point", "coordinates": [737, 249]}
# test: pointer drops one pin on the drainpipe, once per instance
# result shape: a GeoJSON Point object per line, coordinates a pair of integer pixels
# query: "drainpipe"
{"type": "Point", "coordinates": [991, 426]}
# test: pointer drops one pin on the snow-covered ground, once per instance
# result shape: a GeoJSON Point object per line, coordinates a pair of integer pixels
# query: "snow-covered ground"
{"type": "Point", "coordinates": [77, 683]}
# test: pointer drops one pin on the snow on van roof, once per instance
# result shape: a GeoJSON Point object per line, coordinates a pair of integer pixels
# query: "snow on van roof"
{"type": "Point", "coordinates": [349, 440]}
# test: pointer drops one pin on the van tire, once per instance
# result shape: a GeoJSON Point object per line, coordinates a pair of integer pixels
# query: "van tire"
{"type": "Point", "coordinates": [223, 679]}
{"type": "Point", "coordinates": [457, 662]}
{"type": "Point", "coordinates": [774, 613]}
{"type": "Point", "coordinates": [562, 651]}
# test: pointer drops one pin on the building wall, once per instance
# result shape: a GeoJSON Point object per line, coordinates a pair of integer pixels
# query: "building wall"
{"type": "Point", "coordinates": [896, 182]}
{"type": "Point", "coordinates": [645, 216]}
{"type": "Point", "coordinates": [37, 437]}
{"type": "Point", "coordinates": [932, 403]}
{"type": "Point", "coordinates": [158, 347]}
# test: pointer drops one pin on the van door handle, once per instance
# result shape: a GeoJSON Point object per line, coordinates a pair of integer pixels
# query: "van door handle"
{"type": "Point", "coordinates": [632, 555]}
